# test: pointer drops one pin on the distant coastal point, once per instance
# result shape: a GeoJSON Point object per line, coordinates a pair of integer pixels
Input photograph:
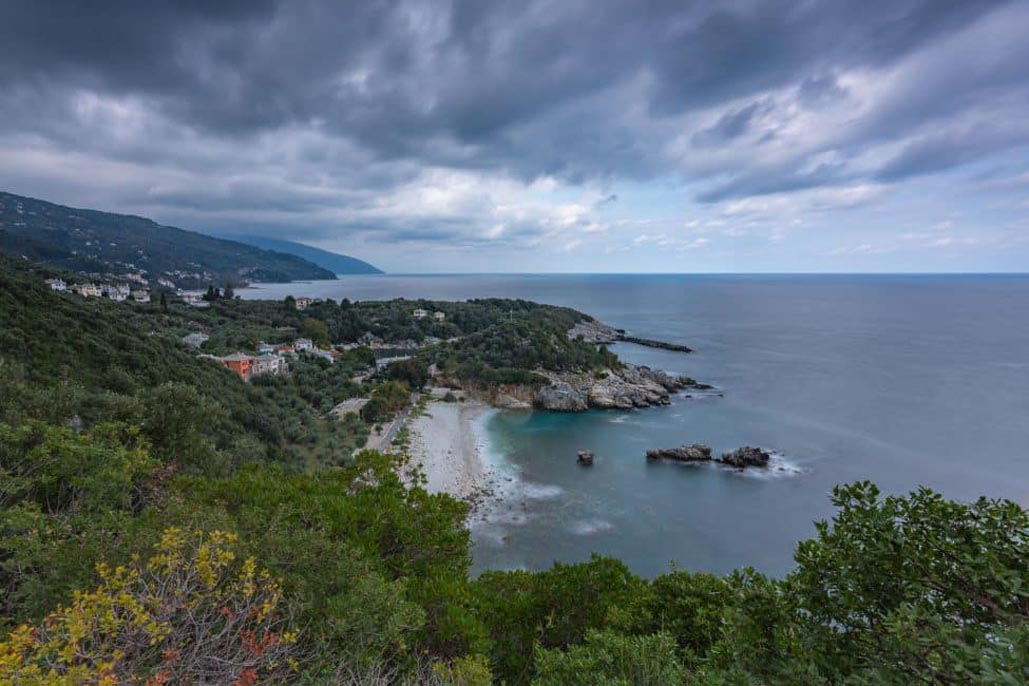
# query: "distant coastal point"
{"type": "Point", "coordinates": [593, 331]}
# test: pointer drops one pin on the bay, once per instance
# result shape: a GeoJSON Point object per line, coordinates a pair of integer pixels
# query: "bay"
{"type": "Point", "coordinates": [902, 380]}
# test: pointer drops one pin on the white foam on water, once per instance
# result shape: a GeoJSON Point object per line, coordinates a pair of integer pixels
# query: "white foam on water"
{"type": "Point", "coordinates": [778, 468]}
{"type": "Point", "coordinates": [508, 507]}
{"type": "Point", "coordinates": [590, 527]}
{"type": "Point", "coordinates": [541, 491]}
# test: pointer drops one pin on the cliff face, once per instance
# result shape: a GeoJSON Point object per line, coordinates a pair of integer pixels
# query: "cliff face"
{"type": "Point", "coordinates": [626, 388]}
{"type": "Point", "coordinates": [623, 389]}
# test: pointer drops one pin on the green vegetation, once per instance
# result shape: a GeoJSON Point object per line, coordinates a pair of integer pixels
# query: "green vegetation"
{"type": "Point", "coordinates": [63, 356]}
{"type": "Point", "coordinates": [153, 530]}
{"type": "Point", "coordinates": [511, 352]}
{"type": "Point", "coordinates": [92, 241]}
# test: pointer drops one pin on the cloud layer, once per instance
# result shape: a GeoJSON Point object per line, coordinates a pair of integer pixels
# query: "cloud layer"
{"type": "Point", "coordinates": [472, 135]}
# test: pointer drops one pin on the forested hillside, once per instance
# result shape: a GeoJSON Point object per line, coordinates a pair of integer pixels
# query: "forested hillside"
{"type": "Point", "coordinates": [335, 262]}
{"type": "Point", "coordinates": [66, 356]}
{"type": "Point", "coordinates": [163, 522]}
{"type": "Point", "coordinates": [102, 242]}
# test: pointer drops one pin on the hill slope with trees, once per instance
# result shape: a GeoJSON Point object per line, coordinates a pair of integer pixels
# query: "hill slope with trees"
{"type": "Point", "coordinates": [160, 523]}
{"type": "Point", "coordinates": [103, 242]}
{"type": "Point", "coordinates": [336, 263]}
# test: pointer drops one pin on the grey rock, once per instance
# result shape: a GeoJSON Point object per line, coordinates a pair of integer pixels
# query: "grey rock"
{"type": "Point", "coordinates": [746, 456]}
{"type": "Point", "coordinates": [507, 402]}
{"type": "Point", "coordinates": [698, 452]}
{"type": "Point", "coordinates": [561, 396]}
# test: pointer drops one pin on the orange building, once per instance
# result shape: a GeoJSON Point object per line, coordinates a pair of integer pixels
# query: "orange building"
{"type": "Point", "coordinates": [242, 365]}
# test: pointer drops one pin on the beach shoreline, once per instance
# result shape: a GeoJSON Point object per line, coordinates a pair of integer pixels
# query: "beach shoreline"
{"type": "Point", "coordinates": [447, 444]}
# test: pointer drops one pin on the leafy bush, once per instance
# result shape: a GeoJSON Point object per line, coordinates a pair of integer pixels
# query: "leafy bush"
{"type": "Point", "coordinates": [609, 659]}
{"type": "Point", "coordinates": [192, 614]}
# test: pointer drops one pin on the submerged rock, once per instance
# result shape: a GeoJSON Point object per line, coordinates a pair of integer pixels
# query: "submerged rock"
{"type": "Point", "coordinates": [746, 456]}
{"type": "Point", "coordinates": [698, 452]}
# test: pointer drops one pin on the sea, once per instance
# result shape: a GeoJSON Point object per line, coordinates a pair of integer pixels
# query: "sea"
{"type": "Point", "coordinates": [907, 381]}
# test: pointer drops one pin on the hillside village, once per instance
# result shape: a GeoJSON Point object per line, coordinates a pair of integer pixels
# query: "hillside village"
{"type": "Point", "coordinates": [358, 361]}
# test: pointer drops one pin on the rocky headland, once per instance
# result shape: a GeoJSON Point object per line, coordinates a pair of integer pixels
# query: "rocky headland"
{"type": "Point", "coordinates": [622, 386]}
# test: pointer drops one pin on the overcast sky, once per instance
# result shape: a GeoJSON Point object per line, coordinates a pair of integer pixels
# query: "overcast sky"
{"type": "Point", "coordinates": [881, 135]}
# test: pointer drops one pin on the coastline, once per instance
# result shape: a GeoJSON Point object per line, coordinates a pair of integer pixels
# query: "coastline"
{"type": "Point", "coordinates": [447, 443]}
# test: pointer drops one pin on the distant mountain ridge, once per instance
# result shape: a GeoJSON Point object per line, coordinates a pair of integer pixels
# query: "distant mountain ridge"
{"type": "Point", "coordinates": [92, 241]}
{"type": "Point", "coordinates": [335, 262]}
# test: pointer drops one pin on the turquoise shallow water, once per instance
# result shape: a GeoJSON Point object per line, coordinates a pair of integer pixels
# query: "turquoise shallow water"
{"type": "Point", "coordinates": [903, 380]}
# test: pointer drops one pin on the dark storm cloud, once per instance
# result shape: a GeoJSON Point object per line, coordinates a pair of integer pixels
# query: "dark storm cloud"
{"type": "Point", "coordinates": [776, 181]}
{"type": "Point", "coordinates": [729, 54]}
{"type": "Point", "coordinates": [359, 96]}
{"type": "Point", "coordinates": [731, 125]}
{"type": "Point", "coordinates": [938, 153]}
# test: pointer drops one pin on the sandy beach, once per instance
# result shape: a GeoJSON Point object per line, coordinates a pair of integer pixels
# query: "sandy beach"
{"type": "Point", "coordinates": [446, 445]}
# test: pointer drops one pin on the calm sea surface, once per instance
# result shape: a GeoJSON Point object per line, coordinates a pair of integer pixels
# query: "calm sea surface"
{"type": "Point", "coordinates": [901, 380]}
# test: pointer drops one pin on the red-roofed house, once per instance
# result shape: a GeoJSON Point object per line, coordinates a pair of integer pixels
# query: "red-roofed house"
{"type": "Point", "coordinates": [241, 364]}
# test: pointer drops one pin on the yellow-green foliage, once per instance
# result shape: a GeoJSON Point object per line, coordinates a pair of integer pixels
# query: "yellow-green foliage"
{"type": "Point", "coordinates": [193, 613]}
{"type": "Point", "coordinates": [472, 670]}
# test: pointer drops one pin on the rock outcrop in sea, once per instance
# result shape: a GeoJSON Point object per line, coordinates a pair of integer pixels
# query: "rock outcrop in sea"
{"type": "Point", "coordinates": [698, 452]}
{"type": "Point", "coordinates": [741, 458]}
{"type": "Point", "coordinates": [746, 456]}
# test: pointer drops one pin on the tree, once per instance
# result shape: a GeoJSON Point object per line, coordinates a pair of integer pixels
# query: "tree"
{"type": "Point", "coordinates": [164, 302]}
{"type": "Point", "coordinates": [315, 329]}
{"type": "Point", "coordinates": [918, 588]}
{"type": "Point", "coordinates": [66, 498]}
{"type": "Point", "coordinates": [228, 293]}
{"type": "Point", "coordinates": [414, 372]}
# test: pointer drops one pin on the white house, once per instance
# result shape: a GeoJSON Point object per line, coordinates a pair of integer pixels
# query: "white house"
{"type": "Point", "coordinates": [269, 364]}
{"type": "Point", "coordinates": [116, 293]}
{"type": "Point", "coordinates": [140, 295]}
{"type": "Point", "coordinates": [265, 349]}
{"type": "Point", "coordinates": [324, 354]}
{"type": "Point", "coordinates": [420, 314]}
{"type": "Point", "coordinates": [194, 298]}
{"type": "Point", "coordinates": [439, 316]}
{"type": "Point", "coordinates": [87, 290]}
{"type": "Point", "coordinates": [303, 345]}
{"type": "Point", "coordinates": [195, 340]}
{"type": "Point", "coordinates": [57, 285]}
{"type": "Point", "coordinates": [303, 303]}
